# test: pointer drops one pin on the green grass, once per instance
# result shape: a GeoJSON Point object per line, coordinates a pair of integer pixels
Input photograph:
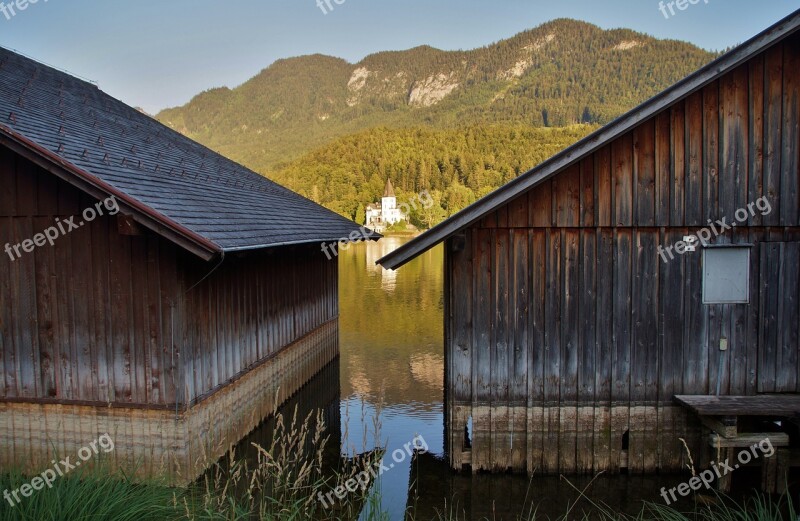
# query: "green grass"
{"type": "Point", "coordinates": [756, 508]}
{"type": "Point", "coordinates": [79, 497]}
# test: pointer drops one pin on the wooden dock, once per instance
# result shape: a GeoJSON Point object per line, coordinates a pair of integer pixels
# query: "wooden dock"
{"type": "Point", "coordinates": [764, 405]}
{"type": "Point", "coordinates": [730, 418]}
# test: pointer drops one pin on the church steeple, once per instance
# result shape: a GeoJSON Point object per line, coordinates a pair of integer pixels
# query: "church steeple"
{"type": "Point", "coordinates": [386, 214]}
{"type": "Point", "coordinates": [389, 190]}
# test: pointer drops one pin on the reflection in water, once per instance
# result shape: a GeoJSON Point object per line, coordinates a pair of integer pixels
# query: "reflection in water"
{"type": "Point", "coordinates": [391, 343]}
{"type": "Point", "coordinates": [392, 366]}
{"type": "Point", "coordinates": [376, 250]}
{"type": "Point", "coordinates": [428, 369]}
{"type": "Point", "coordinates": [486, 496]}
{"type": "Point", "coordinates": [389, 330]}
{"type": "Point", "coordinates": [320, 394]}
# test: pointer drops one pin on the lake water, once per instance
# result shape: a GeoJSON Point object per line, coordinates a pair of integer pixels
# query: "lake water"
{"type": "Point", "coordinates": [392, 361]}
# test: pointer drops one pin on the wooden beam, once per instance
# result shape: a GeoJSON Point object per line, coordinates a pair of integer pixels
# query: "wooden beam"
{"type": "Point", "coordinates": [127, 225]}
{"type": "Point", "coordinates": [763, 405]}
{"type": "Point", "coordinates": [725, 426]}
{"type": "Point", "coordinates": [776, 439]}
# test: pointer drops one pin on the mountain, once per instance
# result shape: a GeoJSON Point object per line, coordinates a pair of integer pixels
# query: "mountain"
{"type": "Point", "coordinates": [561, 73]}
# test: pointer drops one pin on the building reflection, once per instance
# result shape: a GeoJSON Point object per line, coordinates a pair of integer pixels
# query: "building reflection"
{"type": "Point", "coordinates": [376, 250]}
{"type": "Point", "coordinates": [322, 393]}
{"type": "Point", "coordinates": [436, 492]}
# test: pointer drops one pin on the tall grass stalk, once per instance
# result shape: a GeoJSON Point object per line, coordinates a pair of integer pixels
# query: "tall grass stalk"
{"type": "Point", "coordinates": [88, 495]}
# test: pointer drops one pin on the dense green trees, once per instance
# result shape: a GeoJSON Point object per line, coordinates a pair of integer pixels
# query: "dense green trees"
{"type": "Point", "coordinates": [454, 166]}
{"type": "Point", "coordinates": [458, 124]}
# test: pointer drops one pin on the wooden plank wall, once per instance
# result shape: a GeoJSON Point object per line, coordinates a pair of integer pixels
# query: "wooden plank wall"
{"type": "Point", "coordinates": [570, 275]}
{"type": "Point", "coordinates": [155, 443]}
{"type": "Point", "coordinates": [70, 315]}
{"type": "Point", "coordinates": [104, 317]}
{"type": "Point", "coordinates": [250, 308]}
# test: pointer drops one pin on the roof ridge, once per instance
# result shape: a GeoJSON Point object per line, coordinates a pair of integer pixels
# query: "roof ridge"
{"type": "Point", "coordinates": [572, 154]}
{"type": "Point", "coordinates": [179, 188]}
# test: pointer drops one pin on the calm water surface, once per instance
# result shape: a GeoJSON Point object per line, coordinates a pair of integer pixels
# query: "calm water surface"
{"type": "Point", "coordinates": [392, 356]}
{"type": "Point", "coordinates": [392, 362]}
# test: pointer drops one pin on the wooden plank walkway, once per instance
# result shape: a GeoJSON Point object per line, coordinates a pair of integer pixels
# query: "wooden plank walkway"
{"type": "Point", "coordinates": [785, 405]}
{"type": "Point", "coordinates": [722, 414]}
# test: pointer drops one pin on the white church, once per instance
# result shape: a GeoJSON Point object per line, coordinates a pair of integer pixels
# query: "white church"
{"type": "Point", "coordinates": [386, 213]}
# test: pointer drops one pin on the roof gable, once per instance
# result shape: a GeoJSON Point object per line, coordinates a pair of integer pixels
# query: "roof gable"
{"type": "Point", "coordinates": [592, 143]}
{"type": "Point", "coordinates": [175, 186]}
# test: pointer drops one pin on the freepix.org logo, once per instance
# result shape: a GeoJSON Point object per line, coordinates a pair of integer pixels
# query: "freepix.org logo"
{"type": "Point", "coordinates": [47, 478]}
{"type": "Point", "coordinates": [671, 8]}
{"type": "Point", "coordinates": [326, 6]}
{"type": "Point", "coordinates": [10, 9]}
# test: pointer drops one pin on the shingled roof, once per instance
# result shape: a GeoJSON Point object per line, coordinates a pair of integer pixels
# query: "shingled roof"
{"type": "Point", "coordinates": [169, 183]}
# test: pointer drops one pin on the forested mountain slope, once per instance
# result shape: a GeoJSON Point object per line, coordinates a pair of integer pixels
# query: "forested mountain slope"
{"type": "Point", "coordinates": [561, 73]}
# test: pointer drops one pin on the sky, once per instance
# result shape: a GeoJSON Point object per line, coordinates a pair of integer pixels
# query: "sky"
{"type": "Point", "coordinates": [156, 54]}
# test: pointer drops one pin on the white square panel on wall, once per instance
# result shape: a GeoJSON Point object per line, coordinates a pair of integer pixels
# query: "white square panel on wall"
{"type": "Point", "coordinates": [726, 275]}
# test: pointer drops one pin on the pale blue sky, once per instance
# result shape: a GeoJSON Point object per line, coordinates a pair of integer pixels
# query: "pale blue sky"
{"type": "Point", "coordinates": [159, 53]}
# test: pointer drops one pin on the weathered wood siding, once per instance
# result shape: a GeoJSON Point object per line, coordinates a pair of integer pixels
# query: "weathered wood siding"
{"type": "Point", "coordinates": [252, 307]}
{"type": "Point", "coordinates": [566, 334]}
{"type": "Point", "coordinates": [105, 317]}
{"type": "Point", "coordinates": [157, 443]}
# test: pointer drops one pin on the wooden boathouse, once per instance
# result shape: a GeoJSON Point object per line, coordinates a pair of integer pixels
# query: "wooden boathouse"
{"type": "Point", "coordinates": [575, 312]}
{"type": "Point", "coordinates": [180, 292]}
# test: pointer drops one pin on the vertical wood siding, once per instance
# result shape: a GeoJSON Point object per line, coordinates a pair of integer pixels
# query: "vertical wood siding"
{"type": "Point", "coordinates": [157, 443]}
{"type": "Point", "coordinates": [250, 308]}
{"type": "Point", "coordinates": [567, 334]}
{"type": "Point", "coordinates": [104, 317]}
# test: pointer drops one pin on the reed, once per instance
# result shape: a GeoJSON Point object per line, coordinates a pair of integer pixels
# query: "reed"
{"type": "Point", "coordinates": [285, 483]}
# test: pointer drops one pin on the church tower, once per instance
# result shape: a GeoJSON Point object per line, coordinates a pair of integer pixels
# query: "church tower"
{"type": "Point", "coordinates": [389, 201]}
{"type": "Point", "coordinates": [381, 216]}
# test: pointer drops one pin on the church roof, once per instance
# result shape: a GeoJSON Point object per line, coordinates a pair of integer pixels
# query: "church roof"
{"type": "Point", "coordinates": [389, 191]}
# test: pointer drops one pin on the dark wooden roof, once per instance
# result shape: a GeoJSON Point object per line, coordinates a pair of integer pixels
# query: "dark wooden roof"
{"type": "Point", "coordinates": [171, 184]}
{"type": "Point", "coordinates": [592, 143]}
